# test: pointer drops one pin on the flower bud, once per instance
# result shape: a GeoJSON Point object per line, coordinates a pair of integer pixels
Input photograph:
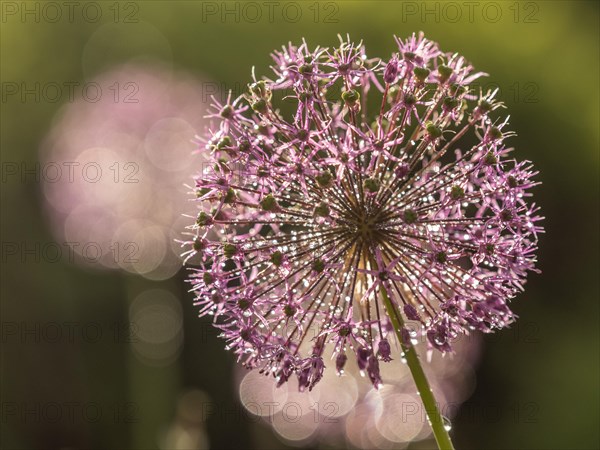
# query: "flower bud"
{"type": "Point", "coordinates": [208, 278]}
{"type": "Point", "coordinates": [457, 192]}
{"type": "Point", "coordinates": [322, 210]}
{"type": "Point", "coordinates": [391, 71]}
{"type": "Point", "coordinates": [277, 258]}
{"type": "Point", "coordinates": [444, 73]}
{"type": "Point", "coordinates": [372, 185]}
{"type": "Point", "coordinates": [411, 312]}
{"type": "Point", "coordinates": [421, 73]}
{"type": "Point", "coordinates": [350, 97]}
{"type": "Point", "coordinates": [227, 112]}
{"type": "Point", "coordinates": [324, 179]}
{"type": "Point", "coordinates": [340, 362]}
{"type": "Point", "coordinates": [268, 203]}
{"type": "Point", "coordinates": [203, 219]}
{"type": "Point", "coordinates": [318, 265]}
{"type": "Point", "coordinates": [261, 90]}
{"type": "Point", "coordinates": [433, 131]}
{"type": "Point", "coordinates": [230, 250]}
{"type": "Point", "coordinates": [260, 106]}
{"type": "Point", "coordinates": [384, 350]}
{"type": "Point", "coordinates": [410, 216]}
{"type": "Point", "coordinates": [450, 103]}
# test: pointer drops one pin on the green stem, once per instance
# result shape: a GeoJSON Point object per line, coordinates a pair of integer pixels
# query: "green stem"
{"type": "Point", "coordinates": [433, 413]}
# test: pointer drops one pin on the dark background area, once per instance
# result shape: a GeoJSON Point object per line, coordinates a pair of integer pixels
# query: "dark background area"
{"type": "Point", "coordinates": [537, 383]}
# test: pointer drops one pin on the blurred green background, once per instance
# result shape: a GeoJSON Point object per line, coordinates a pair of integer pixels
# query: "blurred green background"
{"type": "Point", "coordinates": [537, 384]}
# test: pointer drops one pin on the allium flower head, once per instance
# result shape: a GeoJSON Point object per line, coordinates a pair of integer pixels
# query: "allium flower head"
{"type": "Point", "coordinates": [387, 178]}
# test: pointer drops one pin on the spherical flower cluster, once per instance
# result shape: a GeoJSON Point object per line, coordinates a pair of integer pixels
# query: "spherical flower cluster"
{"type": "Point", "coordinates": [387, 180]}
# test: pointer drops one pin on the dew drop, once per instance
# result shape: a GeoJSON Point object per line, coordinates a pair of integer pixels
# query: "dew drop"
{"type": "Point", "coordinates": [447, 423]}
